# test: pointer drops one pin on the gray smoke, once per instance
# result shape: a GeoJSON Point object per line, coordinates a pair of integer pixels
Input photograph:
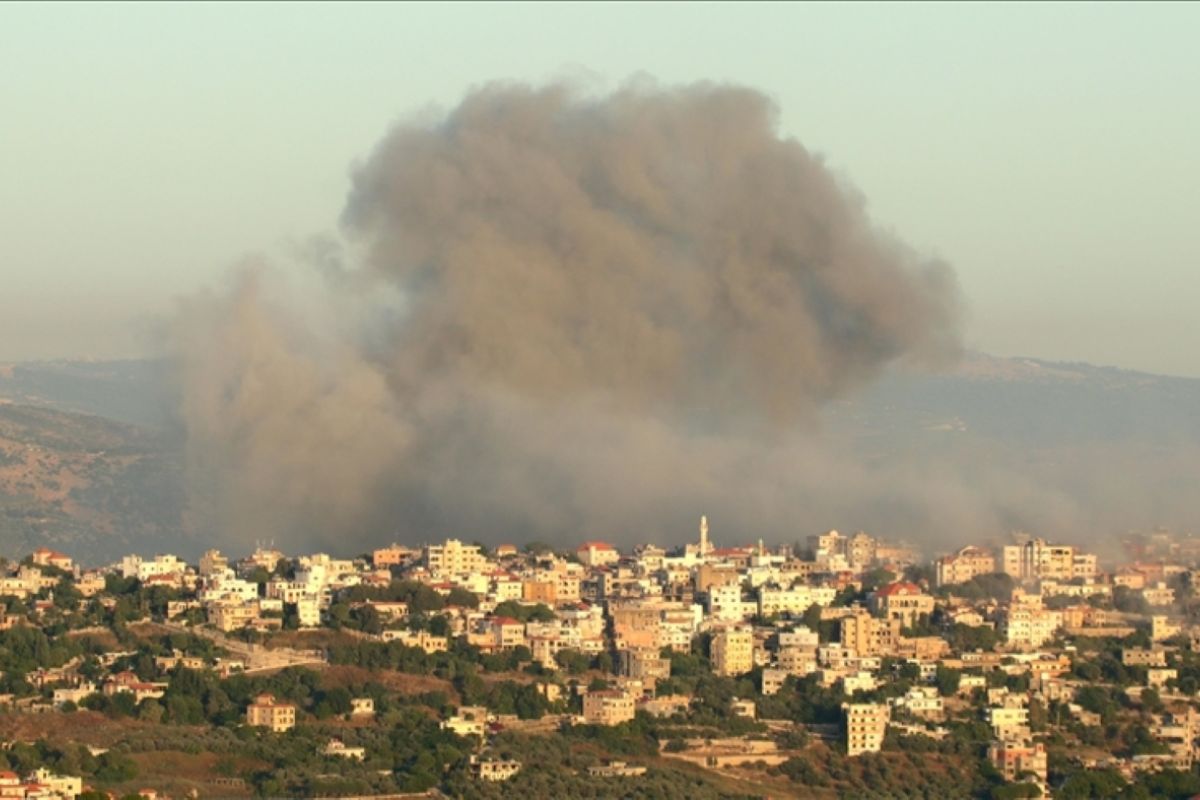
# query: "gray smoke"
{"type": "Point", "coordinates": [567, 315]}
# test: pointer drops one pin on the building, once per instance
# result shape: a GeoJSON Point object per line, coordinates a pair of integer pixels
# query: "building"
{"type": "Point", "coordinates": [266, 713]}
{"type": "Point", "coordinates": [597, 554]}
{"type": "Point", "coordinates": [232, 616]}
{"type": "Point", "coordinates": [1026, 626]}
{"type": "Point", "coordinates": [869, 636]}
{"type": "Point", "coordinates": [615, 769]}
{"type": "Point", "coordinates": [903, 601]}
{"type": "Point", "coordinates": [452, 557]}
{"type": "Point", "coordinates": [45, 557]}
{"type": "Point", "coordinates": [469, 721]}
{"type": "Point", "coordinates": [1159, 595]}
{"type": "Point", "coordinates": [866, 724]}
{"type": "Point", "coordinates": [1163, 628]}
{"type": "Point", "coordinates": [643, 664]}
{"type": "Point", "coordinates": [607, 707]}
{"type": "Point", "coordinates": [338, 749]}
{"type": "Point", "coordinates": [392, 556]}
{"type": "Point", "coordinates": [733, 651]}
{"type": "Point", "coordinates": [1006, 720]}
{"type": "Point", "coordinates": [1144, 657]}
{"type": "Point", "coordinates": [1014, 759]}
{"type": "Point", "coordinates": [1036, 559]}
{"type": "Point", "coordinates": [922, 701]}
{"type": "Point", "coordinates": [491, 769]}
{"type": "Point", "coordinates": [773, 680]}
{"type": "Point", "coordinates": [967, 563]}
{"type": "Point", "coordinates": [213, 563]}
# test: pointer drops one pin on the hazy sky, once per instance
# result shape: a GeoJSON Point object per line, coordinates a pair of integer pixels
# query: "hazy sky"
{"type": "Point", "coordinates": [1048, 152]}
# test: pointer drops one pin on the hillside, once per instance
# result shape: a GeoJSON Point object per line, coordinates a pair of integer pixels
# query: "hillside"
{"type": "Point", "coordinates": [85, 484]}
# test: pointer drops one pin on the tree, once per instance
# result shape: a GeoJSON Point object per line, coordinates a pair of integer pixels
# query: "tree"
{"type": "Point", "coordinates": [947, 680]}
{"type": "Point", "coordinates": [462, 598]}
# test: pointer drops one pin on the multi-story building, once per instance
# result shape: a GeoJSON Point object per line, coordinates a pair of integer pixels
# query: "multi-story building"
{"type": "Point", "coordinates": [1027, 625]}
{"type": "Point", "coordinates": [725, 603]}
{"type": "Point", "coordinates": [794, 600]}
{"type": "Point", "coordinates": [265, 712]}
{"type": "Point", "coordinates": [1015, 758]}
{"type": "Point", "coordinates": [1163, 628]}
{"type": "Point", "coordinates": [773, 680]}
{"type": "Point", "coordinates": [733, 651]}
{"type": "Point", "coordinates": [1148, 657]}
{"type": "Point", "coordinates": [608, 707]}
{"type": "Point", "coordinates": [922, 701]}
{"type": "Point", "coordinates": [903, 601]}
{"type": "Point", "coordinates": [1036, 559]}
{"type": "Point", "coordinates": [212, 562]}
{"type": "Point", "coordinates": [1007, 719]}
{"type": "Point", "coordinates": [866, 724]}
{"type": "Point", "coordinates": [1159, 595]}
{"type": "Point", "coordinates": [597, 554]}
{"type": "Point", "coordinates": [45, 557]}
{"type": "Point", "coordinates": [452, 557]}
{"type": "Point", "coordinates": [232, 616]}
{"type": "Point", "coordinates": [392, 556]}
{"type": "Point", "coordinates": [967, 563]}
{"type": "Point", "coordinates": [644, 664]}
{"type": "Point", "coordinates": [469, 721]}
{"type": "Point", "coordinates": [869, 636]}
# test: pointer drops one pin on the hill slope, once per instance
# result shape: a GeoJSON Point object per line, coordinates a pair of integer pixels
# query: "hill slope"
{"type": "Point", "coordinates": [85, 484]}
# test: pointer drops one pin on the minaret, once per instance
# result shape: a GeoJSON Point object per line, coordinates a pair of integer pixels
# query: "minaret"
{"type": "Point", "coordinates": [703, 535]}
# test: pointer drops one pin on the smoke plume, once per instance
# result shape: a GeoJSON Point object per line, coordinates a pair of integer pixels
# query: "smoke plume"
{"type": "Point", "coordinates": [565, 315]}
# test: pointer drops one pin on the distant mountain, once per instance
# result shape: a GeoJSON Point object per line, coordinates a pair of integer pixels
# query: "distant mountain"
{"type": "Point", "coordinates": [90, 463]}
{"type": "Point", "coordinates": [129, 391]}
{"type": "Point", "coordinates": [1036, 402]}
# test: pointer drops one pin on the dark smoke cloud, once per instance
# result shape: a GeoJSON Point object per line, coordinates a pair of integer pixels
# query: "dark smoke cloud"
{"type": "Point", "coordinates": [573, 316]}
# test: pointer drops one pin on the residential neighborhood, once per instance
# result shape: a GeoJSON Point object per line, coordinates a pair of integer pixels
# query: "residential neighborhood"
{"type": "Point", "coordinates": [1033, 663]}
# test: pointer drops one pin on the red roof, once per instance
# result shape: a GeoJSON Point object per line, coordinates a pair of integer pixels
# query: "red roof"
{"type": "Point", "coordinates": [595, 546]}
{"type": "Point", "coordinates": [506, 621]}
{"type": "Point", "coordinates": [899, 587]}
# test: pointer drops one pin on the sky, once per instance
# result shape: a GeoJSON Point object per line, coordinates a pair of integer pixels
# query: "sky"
{"type": "Point", "coordinates": [1048, 152]}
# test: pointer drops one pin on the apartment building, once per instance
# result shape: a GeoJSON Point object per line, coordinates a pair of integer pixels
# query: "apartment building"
{"type": "Point", "coordinates": [644, 664]}
{"type": "Point", "coordinates": [607, 707]}
{"type": "Point", "coordinates": [1036, 559]}
{"type": "Point", "coordinates": [1028, 626]}
{"type": "Point", "coordinates": [866, 724]}
{"type": "Point", "coordinates": [870, 636]}
{"type": "Point", "coordinates": [967, 563]}
{"type": "Point", "coordinates": [794, 600]}
{"type": "Point", "coordinates": [733, 651]}
{"type": "Point", "coordinates": [452, 557]}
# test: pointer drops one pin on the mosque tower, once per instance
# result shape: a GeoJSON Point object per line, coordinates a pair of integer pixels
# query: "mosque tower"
{"type": "Point", "coordinates": [704, 545]}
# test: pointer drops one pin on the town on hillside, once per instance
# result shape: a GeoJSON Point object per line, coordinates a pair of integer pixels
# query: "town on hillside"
{"type": "Point", "coordinates": [843, 665]}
